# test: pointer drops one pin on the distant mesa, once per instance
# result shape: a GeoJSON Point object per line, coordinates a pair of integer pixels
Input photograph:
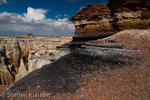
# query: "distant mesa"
{"type": "Point", "coordinates": [28, 36]}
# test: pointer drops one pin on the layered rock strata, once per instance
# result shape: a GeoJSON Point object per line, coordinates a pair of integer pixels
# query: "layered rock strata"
{"type": "Point", "coordinates": [15, 52]}
{"type": "Point", "coordinates": [108, 18]}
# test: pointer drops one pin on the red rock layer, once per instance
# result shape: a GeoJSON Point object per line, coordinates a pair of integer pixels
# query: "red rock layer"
{"type": "Point", "coordinates": [111, 17]}
{"type": "Point", "coordinates": [128, 5]}
{"type": "Point", "coordinates": [92, 12]}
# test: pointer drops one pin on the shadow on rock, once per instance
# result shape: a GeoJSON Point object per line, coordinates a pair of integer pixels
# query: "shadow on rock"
{"type": "Point", "coordinates": [64, 75]}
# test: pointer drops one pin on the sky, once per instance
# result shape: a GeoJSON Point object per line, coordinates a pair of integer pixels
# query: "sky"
{"type": "Point", "coordinates": [40, 17]}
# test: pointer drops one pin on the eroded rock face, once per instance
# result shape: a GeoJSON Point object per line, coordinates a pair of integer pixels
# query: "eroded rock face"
{"type": "Point", "coordinates": [128, 5]}
{"type": "Point", "coordinates": [9, 64]}
{"type": "Point", "coordinates": [22, 71]}
{"type": "Point", "coordinates": [92, 19]}
{"type": "Point", "coordinates": [14, 53]}
{"type": "Point", "coordinates": [105, 19]}
{"type": "Point", "coordinates": [40, 57]}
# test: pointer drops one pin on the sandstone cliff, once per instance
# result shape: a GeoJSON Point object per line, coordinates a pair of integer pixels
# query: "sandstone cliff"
{"type": "Point", "coordinates": [108, 18]}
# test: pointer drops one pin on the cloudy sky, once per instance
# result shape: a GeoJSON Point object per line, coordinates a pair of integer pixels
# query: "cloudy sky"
{"type": "Point", "coordinates": [40, 17]}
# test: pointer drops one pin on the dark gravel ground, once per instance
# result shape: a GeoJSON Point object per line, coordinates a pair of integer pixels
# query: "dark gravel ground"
{"type": "Point", "coordinates": [66, 77]}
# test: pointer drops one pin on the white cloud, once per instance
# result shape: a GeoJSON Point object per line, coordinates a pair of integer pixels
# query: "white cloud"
{"type": "Point", "coordinates": [65, 15]}
{"type": "Point", "coordinates": [34, 21]}
{"type": "Point", "coordinates": [58, 15]}
{"type": "Point", "coordinates": [35, 14]}
{"type": "Point", "coordinates": [3, 2]}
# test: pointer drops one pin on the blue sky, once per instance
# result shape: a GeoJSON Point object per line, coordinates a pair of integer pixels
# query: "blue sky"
{"type": "Point", "coordinates": [40, 17]}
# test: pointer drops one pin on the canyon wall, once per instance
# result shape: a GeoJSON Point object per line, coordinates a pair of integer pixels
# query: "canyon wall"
{"type": "Point", "coordinates": [21, 55]}
{"type": "Point", "coordinates": [108, 18]}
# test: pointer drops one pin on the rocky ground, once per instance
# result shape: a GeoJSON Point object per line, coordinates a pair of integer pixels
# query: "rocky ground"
{"type": "Point", "coordinates": [116, 67]}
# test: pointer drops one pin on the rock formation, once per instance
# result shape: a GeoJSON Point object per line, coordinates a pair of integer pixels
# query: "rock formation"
{"type": "Point", "coordinates": [22, 71]}
{"type": "Point", "coordinates": [108, 18]}
{"type": "Point", "coordinates": [7, 64]}
{"type": "Point", "coordinates": [16, 49]}
{"type": "Point", "coordinates": [40, 57]}
{"type": "Point", "coordinates": [29, 36]}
